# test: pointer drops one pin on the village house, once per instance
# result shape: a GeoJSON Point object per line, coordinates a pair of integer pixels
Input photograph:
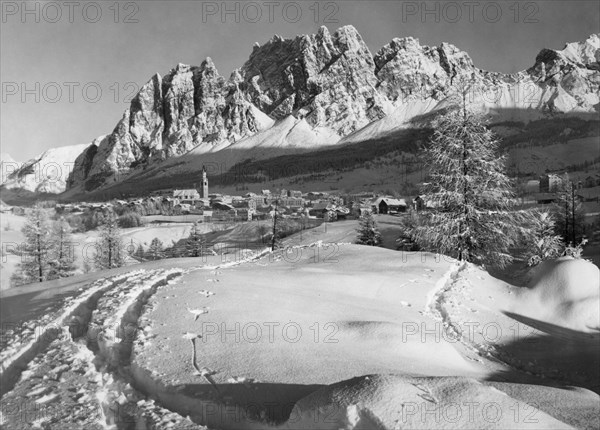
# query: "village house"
{"type": "Point", "coordinates": [259, 201]}
{"type": "Point", "coordinates": [588, 195]}
{"type": "Point", "coordinates": [419, 204]}
{"type": "Point", "coordinates": [389, 205]}
{"type": "Point", "coordinates": [550, 183]}
{"type": "Point", "coordinates": [325, 210]}
{"type": "Point", "coordinates": [189, 196]}
{"type": "Point", "coordinates": [182, 209]}
{"type": "Point", "coordinates": [222, 206]}
{"type": "Point", "coordinates": [532, 186]}
{"type": "Point", "coordinates": [545, 198]}
{"type": "Point", "coordinates": [592, 181]}
{"type": "Point", "coordinates": [291, 202]}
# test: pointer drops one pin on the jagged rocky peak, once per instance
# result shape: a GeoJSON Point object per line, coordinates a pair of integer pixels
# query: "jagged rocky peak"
{"type": "Point", "coordinates": [586, 53]}
{"type": "Point", "coordinates": [573, 71]}
{"type": "Point", "coordinates": [331, 80]}
{"type": "Point", "coordinates": [328, 79]}
{"type": "Point", "coordinates": [405, 68]}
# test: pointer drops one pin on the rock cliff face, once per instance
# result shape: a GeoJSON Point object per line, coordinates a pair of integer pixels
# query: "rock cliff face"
{"type": "Point", "coordinates": [327, 79]}
{"type": "Point", "coordinates": [331, 81]}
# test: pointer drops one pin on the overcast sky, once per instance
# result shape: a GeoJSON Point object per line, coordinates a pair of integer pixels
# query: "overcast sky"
{"type": "Point", "coordinates": [129, 43]}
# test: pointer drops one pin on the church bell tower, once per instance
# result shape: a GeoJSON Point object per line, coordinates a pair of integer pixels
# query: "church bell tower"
{"type": "Point", "coordinates": [204, 191]}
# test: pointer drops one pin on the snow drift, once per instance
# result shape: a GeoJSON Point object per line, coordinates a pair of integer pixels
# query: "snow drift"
{"type": "Point", "coordinates": [565, 292]}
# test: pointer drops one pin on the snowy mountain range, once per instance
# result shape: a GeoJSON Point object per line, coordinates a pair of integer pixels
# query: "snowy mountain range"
{"type": "Point", "coordinates": [312, 92]}
{"type": "Point", "coordinates": [46, 173]}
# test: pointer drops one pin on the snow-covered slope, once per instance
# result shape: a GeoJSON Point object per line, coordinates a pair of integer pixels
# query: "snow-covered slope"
{"type": "Point", "coordinates": [8, 165]}
{"type": "Point", "coordinates": [46, 173]}
{"type": "Point", "coordinates": [340, 336]}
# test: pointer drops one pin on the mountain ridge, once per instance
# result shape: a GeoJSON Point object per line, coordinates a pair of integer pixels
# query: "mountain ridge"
{"type": "Point", "coordinates": [335, 91]}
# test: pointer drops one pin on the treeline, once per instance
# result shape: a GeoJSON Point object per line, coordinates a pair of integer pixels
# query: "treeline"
{"type": "Point", "coordinates": [337, 159]}
{"type": "Point", "coordinates": [545, 132]}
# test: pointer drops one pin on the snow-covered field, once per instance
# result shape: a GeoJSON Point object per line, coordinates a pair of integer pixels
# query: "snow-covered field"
{"type": "Point", "coordinates": [83, 244]}
{"type": "Point", "coordinates": [323, 335]}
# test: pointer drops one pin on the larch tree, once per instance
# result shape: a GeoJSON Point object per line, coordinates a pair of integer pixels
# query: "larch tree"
{"type": "Point", "coordinates": [110, 250]}
{"type": "Point", "coordinates": [471, 195]}
{"type": "Point", "coordinates": [368, 232]}
{"type": "Point", "coordinates": [63, 263]}
{"type": "Point", "coordinates": [36, 251]}
{"type": "Point", "coordinates": [569, 214]}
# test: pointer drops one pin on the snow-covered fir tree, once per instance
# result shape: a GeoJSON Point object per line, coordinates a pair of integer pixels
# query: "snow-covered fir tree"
{"type": "Point", "coordinates": [139, 253]}
{"type": "Point", "coordinates": [472, 196]}
{"type": "Point", "coordinates": [36, 251]}
{"type": "Point", "coordinates": [541, 242]}
{"type": "Point", "coordinates": [155, 250]}
{"type": "Point", "coordinates": [195, 243]}
{"type": "Point", "coordinates": [111, 252]}
{"type": "Point", "coordinates": [368, 233]}
{"type": "Point", "coordinates": [63, 262]}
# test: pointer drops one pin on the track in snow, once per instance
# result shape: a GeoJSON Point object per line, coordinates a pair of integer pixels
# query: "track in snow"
{"type": "Point", "coordinates": [76, 374]}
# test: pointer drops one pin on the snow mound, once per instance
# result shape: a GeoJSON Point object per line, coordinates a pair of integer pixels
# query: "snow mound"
{"type": "Point", "coordinates": [396, 402]}
{"type": "Point", "coordinates": [568, 293]}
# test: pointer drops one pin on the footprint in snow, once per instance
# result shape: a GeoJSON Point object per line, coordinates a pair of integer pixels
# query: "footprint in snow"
{"type": "Point", "coordinates": [198, 312]}
{"type": "Point", "coordinates": [426, 393]}
{"type": "Point", "coordinates": [207, 374]}
{"type": "Point", "coordinates": [428, 397]}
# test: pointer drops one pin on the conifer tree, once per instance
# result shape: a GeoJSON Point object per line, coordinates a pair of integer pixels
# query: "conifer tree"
{"type": "Point", "coordinates": [156, 250]}
{"type": "Point", "coordinates": [470, 192]}
{"type": "Point", "coordinates": [36, 250]}
{"type": "Point", "coordinates": [63, 262]}
{"type": "Point", "coordinates": [368, 233]}
{"type": "Point", "coordinates": [275, 233]}
{"type": "Point", "coordinates": [139, 253]}
{"type": "Point", "coordinates": [195, 243]}
{"type": "Point", "coordinates": [569, 214]}
{"type": "Point", "coordinates": [541, 242]}
{"type": "Point", "coordinates": [110, 249]}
